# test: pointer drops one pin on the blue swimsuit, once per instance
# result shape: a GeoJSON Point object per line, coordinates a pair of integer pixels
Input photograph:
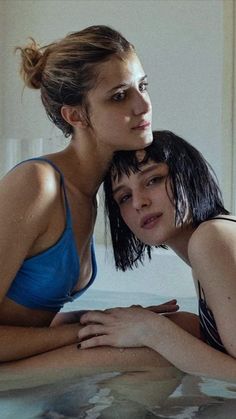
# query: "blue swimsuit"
{"type": "Point", "coordinates": [46, 281]}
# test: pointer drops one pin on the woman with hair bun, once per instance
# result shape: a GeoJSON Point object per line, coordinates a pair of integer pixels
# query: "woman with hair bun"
{"type": "Point", "coordinates": [94, 89]}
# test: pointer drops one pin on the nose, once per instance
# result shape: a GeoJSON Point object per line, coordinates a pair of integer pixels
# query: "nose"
{"type": "Point", "coordinates": [140, 201]}
{"type": "Point", "coordinates": [142, 103]}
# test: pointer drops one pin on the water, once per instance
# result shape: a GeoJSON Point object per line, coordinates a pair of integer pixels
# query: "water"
{"type": "Point", "coordinates": [137, 395]}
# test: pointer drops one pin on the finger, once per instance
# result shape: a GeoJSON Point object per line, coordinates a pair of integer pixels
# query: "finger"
{"type": "Point", "coordinates": [93, 342]}
{"type": "Point", "coordinates": [115, 310]}
{"type": "Point", "coordinates": [173, 301]}
{"type": "Point", "coordinates": [93, 317]}
{"type": "Point", "coordinates": [111, 310]}
{"type": "Point", "coordinates": [166, 304]}
{"type": "Point", "coordinates": [163, 308]}
{"type": "Point", "coordinates": [91, 330]}
{"type": "Point", "coordinates": [170, 308]}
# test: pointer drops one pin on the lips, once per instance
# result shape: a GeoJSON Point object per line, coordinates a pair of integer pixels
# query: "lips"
{"type": "Point", "coordinates": [142, 125]}
{"type": "Point", "coordinates": [149, 220]}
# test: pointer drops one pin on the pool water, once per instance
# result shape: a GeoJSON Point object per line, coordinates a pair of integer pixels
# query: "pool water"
{"type": "Point", "coordinates": [93, 398]}
{"type": "Point", "coordinates": [139, 395]}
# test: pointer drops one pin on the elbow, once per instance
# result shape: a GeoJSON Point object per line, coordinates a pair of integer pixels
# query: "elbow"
{"type": "Point", "coordinates": [230, 349]}
{"type": "Point", "coordinates": [231, 352]}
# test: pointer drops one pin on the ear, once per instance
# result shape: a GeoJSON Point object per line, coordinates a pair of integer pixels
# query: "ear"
{"type": "Point", "coordinates": [74, 116]}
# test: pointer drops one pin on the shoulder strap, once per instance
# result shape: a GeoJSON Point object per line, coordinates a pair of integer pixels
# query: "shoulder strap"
{"type": "Point", "coordinates": [222, 218]}
{"type": "Point", "coordinates": [200, 291]}
{"type": "Point", "coordinates": [62, 182]}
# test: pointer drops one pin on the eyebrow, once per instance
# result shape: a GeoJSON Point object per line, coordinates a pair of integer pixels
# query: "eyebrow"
{"type": "Point", "coordinates": [139, 174]}
{"type": "Point", "coordinates": [119, 86]}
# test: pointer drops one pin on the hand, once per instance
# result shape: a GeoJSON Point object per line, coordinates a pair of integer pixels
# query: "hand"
{"type": "Point", "coordinates": [120, 327]}
{"type": "Point", "coordinates": [168, 307]}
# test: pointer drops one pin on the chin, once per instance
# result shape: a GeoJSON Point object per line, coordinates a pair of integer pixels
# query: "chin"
{"type": "Point", "coordinates": [144, 141]}
{"type": "Point", "coordinates": [147, 241]}
{"type": "Point", "coordinates": [147, 139]}
{"type": "Point", "coordinates": [152, 241]}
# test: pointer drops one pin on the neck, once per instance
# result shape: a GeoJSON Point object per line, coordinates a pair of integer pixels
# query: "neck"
{"type": "Point", "coordinates": [179, 244]}
{"type": "Point", "coordinates": [84, 165]}
{"type": "Point", "coordinates": [92, 166]}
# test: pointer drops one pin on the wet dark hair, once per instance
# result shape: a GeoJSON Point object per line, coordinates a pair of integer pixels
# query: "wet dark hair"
{"type": "Point", "coordinates": [193, 183]}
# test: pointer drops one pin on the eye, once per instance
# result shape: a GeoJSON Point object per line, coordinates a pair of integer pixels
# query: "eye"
{"type": "Point", "coordinates": [123, 199]}
{"type": "Point", "coordinates": [119, 96]}
{"type": "Point", "coordinates": [143, 86]}
{"type": "Point", "coordinates": [155, 180]}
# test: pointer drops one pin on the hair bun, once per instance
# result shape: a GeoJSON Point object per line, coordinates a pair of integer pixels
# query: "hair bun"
{"type": "Point", "coordinates": [32, 64]}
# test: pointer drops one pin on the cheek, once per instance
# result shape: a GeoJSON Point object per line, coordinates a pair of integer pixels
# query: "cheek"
{"type": "Point", "coordinates": [115, 118]}
{"type": "Point", "coordinates": [131, 221]}
{"type": "Point", "coordinates": [127, 216]}
{"type": "Point", "coordinates": [124, 215]}
{"type": "Point", "coordinates": [107, 123]}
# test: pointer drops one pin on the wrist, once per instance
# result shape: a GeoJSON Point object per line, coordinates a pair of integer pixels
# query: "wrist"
{"type": "Point", "coordinates": [68, 333]}
{"type": "Point", "coordinates": [150, 329]}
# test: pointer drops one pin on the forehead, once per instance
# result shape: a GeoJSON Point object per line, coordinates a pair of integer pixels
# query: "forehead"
{"type": "Point", "coordinates": [144, 170]}
{"type": "Point", "coordinates": [118, 70]}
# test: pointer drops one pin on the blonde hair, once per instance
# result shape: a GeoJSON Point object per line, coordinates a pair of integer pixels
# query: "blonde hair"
{"type": "Point", "coordinates": [66, 70]}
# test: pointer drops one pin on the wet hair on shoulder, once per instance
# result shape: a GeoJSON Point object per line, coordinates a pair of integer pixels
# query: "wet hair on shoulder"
{"type": "Point", "coordinates": [194, 186]}
{"type": "Point", "coordinates": [66, 70]}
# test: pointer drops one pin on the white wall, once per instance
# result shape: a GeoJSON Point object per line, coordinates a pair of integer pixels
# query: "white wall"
{"type": "Point", "coordinates": [181, 44]}
{"type": "Point", "coordinates": [2, 56]}
{"type": "Point", "coordinates": [233, 101]}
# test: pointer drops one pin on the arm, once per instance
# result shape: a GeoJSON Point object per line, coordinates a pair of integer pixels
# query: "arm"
{"type": "Point", "coordinates": [212, 256]}
{"type": "Point", "coordinates": [68, 363]}
{"type": "Point", "coordinates": [23, 342]}
{"type": "Point", "coordinates": [137, 327]}
{"type": "Point", "coordinates": [212, 253]}
{"type": "Point", "coordinates": [25, 214]}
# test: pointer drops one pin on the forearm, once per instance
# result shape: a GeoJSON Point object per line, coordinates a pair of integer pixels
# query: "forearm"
{"type": "Point", "coordinates": [23, 342]}
{"type": "Point", "coordinates": [188, 353]}
{"type": "Point", "coordinates": [70, 363]}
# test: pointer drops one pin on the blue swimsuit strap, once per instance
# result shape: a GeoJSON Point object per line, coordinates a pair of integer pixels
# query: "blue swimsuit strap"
{"type": "Point", "coordinates": [68, 214]}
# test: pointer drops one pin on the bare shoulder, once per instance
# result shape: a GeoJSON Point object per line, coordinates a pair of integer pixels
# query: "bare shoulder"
{"type": "Point", "coordinates": [29, 192]}
{"type": "Point", "coordinates": [213, 237]}
{"type": "Point", "coordinates": [30, 180]}
{"type": "Point", "coordinates": [212, 255]}
{"type": "Point", "coordinates": [28, 198]}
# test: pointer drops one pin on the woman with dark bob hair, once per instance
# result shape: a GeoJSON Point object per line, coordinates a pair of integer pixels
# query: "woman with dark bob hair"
{"type": "Point", "coordinates": [167, 195]}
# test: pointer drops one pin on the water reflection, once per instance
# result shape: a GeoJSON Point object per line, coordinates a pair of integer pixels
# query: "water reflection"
{"type": "Point", "coordinates": [165, 393]}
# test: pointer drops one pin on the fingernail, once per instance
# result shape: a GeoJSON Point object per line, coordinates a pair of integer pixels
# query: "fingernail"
{"type": "Point", "coordinates": [79, 345]}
